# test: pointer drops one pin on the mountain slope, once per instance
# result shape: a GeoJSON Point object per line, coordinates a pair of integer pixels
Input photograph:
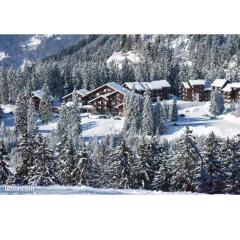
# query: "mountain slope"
{"type": "Point", "coordinates": [18, 49]}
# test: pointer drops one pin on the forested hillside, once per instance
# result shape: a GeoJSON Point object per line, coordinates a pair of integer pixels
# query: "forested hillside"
{"type": "Point", "coordinates": [98, 59]}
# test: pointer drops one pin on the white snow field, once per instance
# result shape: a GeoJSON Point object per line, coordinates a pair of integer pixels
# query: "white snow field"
{"type": "Point", "coordinates": [197, 117]}
{"type": "Point", "coordinates": [78, 190]}
{"type": "Point", "coordinates": [119, 57]}
{"type": "Point", "coordinates": [3, 55]}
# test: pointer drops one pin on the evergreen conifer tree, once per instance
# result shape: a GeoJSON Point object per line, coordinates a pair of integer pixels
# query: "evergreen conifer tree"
{"type": "Point", "coordinates": [216, 103]}
{"type": "Point", "coordinates": [119, 170]}
{"type": "Point", "coordinates": [45, 106]}
{"type": "Point", "coordinates": [213, 182]}
{"type": "Point", "coordinates": [185, 163]}
{"type": "Point", "coordinates": [32, 128]}
{"type": "Point", "coordinates": [21, 115]}
{"type": "Point", "coordinates": [147, 117]}
{"type": "Point", "coordinates": [42, 173]}
{"type": "Point", "coordinates": [174, 111]}
{"type": "Point", "coordinates": [5, 173]}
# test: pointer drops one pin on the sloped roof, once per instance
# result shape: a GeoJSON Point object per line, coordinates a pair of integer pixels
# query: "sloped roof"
{"type": "Point", "coordinates": [143, 86]}
{"type": "Point", "coordinates": [118, 87]}
{"type": "Point", "coordinates": [230, 86]}
{"type": "Point", "coordinates": [114, 86]}
{"type": "Point", "coordinates": [186, 85]}
{"type": "Point", "coordinates": [39, 94]}
{"type": "Point", "coordinates": [219, 83]}
{"type": "Point", "coordinates": [83, 92]}
{"type": "Point", "coordinates": [197, 82]}
{"type": "Point", "coordinates": [235, 85]}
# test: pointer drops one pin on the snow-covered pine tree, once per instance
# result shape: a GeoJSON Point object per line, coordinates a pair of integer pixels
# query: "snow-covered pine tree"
{"type": "Point", "coordinates": [159, 119]}
{"type": "Point", "coordinates": [133, 106]}
{"type": "Point", "coordinates": [119, 169]}
{"type": "Point", "coordinates": [25, 152]}
{"type": "Point", "coordinates": [4, 87]}
{"type": "Point", "coordinates": [216, 103]}
{"type": "Point", "coordinates": [149, 158]}
{"type": "Point", "coordinates": [32, 128]}
{"type": "Point", "coordinates": [62, 126]}
{"type": "Point", "coordinates": [12, 81]}
{"type": "Point", "coordinates": [147, 117]}
{"type": "Point", "coordinates": [231, 165]}
{"type": "Point", "coordinates": [174, 111]}
{"type": "Point", "coordinates": [186, 162]}
{"type": "Point", "coordinates": [166, 110]}
{"type": "Point", "coordinates": [1, 112]}
{"type": "Point", "coordinates": [45, 106]}
{"type": "Point", "coordinates": [162, 177]}
{"type": "Point", "coordinates": [5, 173]}
{"type": "Point", "coordinates": [68, 164]}
{"type": "Point", "coordinates": [213, 179]}
{"type": "Point", "coordinates": [85, 170]}
{"type": "Point", "coordinates": [43, 172]}
{"type": "Point", "coordinates": [74, 122]}
{"type": "Point", "coordinates": [21, 115]}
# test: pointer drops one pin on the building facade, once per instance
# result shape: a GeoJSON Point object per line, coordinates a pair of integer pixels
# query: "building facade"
{"type": "Point", "coordinates": [108, 98]}
{"type": "Point", "coordinates": [231, 92]}
{"type": "Point", "coordinates": [196, 90]}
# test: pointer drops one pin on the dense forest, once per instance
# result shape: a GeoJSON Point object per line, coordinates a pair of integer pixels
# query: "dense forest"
{"type": "Point", "coordinates": [85, 64]}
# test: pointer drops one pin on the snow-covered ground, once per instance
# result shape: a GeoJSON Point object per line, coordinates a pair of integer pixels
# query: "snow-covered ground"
{"type": "Point", "coordinates": [35, 41]}
{"type": "Point", "coordinates": [3, 55]}
{"type": "Point", "coordinates": [196, 117]}
{"type": "Point", "coordinates": [119, 57]}
{"type": "Point", "coordinates": [79, 190]}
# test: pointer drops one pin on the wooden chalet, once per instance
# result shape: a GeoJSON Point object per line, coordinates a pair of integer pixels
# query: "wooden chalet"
{"type": "Point", "coordinates": [37, 96]}
{"type": "Point", "coordinates": [232, 92]}
{"type": "Point", "coordinates": [108, 98]}
{"type": "Point", "coordinates": [196, 90]}
{"type": "Point", "coordinates": [82, 93]}
{"type": "Point", "coordinates": [160, 88]}
{"type": "Point", "coordinates": [219, 84]}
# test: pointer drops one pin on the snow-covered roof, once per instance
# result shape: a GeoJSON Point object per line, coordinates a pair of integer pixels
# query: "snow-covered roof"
{"type": "Point", "coordinates": [230, 86]}
{"type": "Point", "coordinates": [227, 88]}
{"type": "Point", "coordinates": [114, 86]}
{"type": "Point", "coordinates": [219, 83]}
{"type": "Point", "coordinates": [143, 86]}
{"type": "Point", "coordinates": [186, 85]}
{"type": "Point", "coordinates": [83, 92]}
{"type": "Point", "coordinates": [118, 87]}
{"type": "Point", "coordinates": [197, 82]}
{"type": "Point", "coordinates": [39, 94]}
{"type": "Point", "coordinates": [235, 85]}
